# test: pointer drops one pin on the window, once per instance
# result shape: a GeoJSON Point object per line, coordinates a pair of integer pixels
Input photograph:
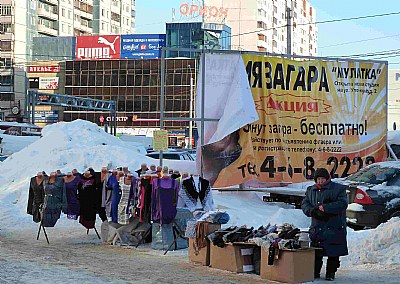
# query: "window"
{"type": "Point", "coordinates": [69, 14]}
{"type": "Point", "coordinates": [5, 10]}
{"type": "Point", "coordinates": [63, 12]}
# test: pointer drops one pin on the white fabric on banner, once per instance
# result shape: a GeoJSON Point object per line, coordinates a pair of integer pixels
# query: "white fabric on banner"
{"type": "Point", "coordinates": [227, 96]}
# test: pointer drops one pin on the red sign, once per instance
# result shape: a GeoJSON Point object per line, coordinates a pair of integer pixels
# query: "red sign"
{"type": "Point", "coordinates": [43, 69]}
{"type": "Point", "coordinates": [98, 47]}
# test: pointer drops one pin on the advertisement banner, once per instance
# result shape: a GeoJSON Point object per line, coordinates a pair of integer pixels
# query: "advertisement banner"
{"type": "Point", "coordinates": [48, 83]}
{"type": "Point", "coordinates": [98, 47]}
{"type": "Point", "coordinates": [160, 140]}
{"type": "Point", "coordinates": [47, 116]}
{"type": "Point", "coordinates": [312, 114]}
{"type": "Point", "coordinates": [139, 46]}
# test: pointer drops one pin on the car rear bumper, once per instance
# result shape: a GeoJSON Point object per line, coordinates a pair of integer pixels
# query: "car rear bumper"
{"type": "Point", "coordinates": [363, 218]}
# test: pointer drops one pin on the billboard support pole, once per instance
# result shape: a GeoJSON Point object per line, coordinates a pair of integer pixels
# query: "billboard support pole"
{"type": "Point", "coordinates": [162, 98]}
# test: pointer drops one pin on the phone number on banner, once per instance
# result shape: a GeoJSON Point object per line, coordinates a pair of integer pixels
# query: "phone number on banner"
{"type": "Point", "coordinates": [269, 166]}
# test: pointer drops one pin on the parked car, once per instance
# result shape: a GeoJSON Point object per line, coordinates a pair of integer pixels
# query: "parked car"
{"type": "Point", "coordinates": [171, 155]}
{"type": "Point", "coordinates": [373, 194]}
{"type": "Point", "coordinates": [2, 158]}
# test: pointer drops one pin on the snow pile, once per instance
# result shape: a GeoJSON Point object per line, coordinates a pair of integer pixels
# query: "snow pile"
{"type": "Point", "coordinates": [377, 247]}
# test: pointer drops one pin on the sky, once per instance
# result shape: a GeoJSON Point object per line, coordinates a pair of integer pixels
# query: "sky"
{"type": "Point", "coordinates": [80, 144]}
{"type": "Point", "coordinates": [345, 38]}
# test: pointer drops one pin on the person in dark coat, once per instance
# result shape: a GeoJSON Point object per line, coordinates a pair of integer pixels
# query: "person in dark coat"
{"type": "Point", "coordinates": [326, 202]}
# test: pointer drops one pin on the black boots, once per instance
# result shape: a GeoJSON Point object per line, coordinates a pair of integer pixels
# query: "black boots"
{"type": "Point", "coordinates": [330, 276]}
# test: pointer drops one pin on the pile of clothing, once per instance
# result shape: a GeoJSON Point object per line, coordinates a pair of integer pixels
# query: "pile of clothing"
{"type": "Point", "coordinates": [273, 238]}
{"type": "Point", "coordinates": [214, 217]}
{"type": "Point", "coordinates": [231, 235]}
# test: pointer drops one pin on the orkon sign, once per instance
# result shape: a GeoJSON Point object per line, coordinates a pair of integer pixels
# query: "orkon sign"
{"type": "Point", "coordinates": [98, 47]}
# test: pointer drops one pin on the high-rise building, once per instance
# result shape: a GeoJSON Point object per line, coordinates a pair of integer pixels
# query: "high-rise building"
{"type": "Point", "coordinates": [261, 25]}
{"type": "Point", "coordinates": [21, 21]}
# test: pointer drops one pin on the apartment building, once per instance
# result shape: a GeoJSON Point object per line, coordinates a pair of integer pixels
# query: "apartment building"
{"type": "Point", "coordinates": [21, 21]}
{"type": "Point", "coordinates": [261, 25]}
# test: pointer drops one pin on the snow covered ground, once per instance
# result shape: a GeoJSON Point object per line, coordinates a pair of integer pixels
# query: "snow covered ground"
{"type": "Point", "coordinates": [374, 254]}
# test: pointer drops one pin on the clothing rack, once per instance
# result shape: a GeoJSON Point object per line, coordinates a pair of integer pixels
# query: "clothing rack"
{"type": "Point", "coordinates": [44, 231]}
{"type": "Point", "coordinates": [178, 233]}
{"type": "Point", "coordinates": [97, 233]}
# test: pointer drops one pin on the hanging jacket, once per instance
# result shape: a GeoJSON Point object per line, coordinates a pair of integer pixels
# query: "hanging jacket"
{"type": "Point", "coordinates": [55, 200]}
{"type": "Point", "coordinates": [36, 198]}
{"type": "Point", "coordinates": [88, 201]}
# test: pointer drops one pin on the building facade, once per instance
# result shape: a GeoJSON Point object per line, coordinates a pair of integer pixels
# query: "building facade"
{"type": "Point", "coordinates": [261, 25]}
{"type": "Point", "coordinates": [136, 87]}
{"type": "Point", "coordinates": [196, 35]}
{"type": "Point", "coordinates": [21, 21]}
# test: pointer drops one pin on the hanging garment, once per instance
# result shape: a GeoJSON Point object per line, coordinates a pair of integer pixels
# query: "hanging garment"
{"type": "Point", "coordinates": [105, 193]}
{"type": "Point", "coordinates": [110, 184]}
{"type": "Point", "coordinates": [125, 208]}
{"type": "Point", "coordinates": [115, 197]}
{"type": "Point", "coordinates": [188, 196]}
{"type": "Point", "coordinates": [164, 200]}
{"type": "Point", "coordinates": [87, 199]}
{"type": "Point", "coordinates": [101, 210]}
{"type": "Point", "coordinates": [205, 194]}
{"type": "Point", "coordinates": [55, 200]}
{"type": "Point", "coordinates": [71, 191]}
{"type": "Point", "coordinates": [36, 198]}
{"type": "Point", "coordinates": [145, 199]}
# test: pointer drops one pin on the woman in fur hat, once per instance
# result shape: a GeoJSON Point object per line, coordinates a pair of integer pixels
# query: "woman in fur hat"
{"type": "Point", "coordinates": [326, 202]}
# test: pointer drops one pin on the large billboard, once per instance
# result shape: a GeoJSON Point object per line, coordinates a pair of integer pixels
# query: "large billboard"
{"type": "Point", "coordinates": [312, 113]}
{"type": "Point", "coordinates": [142, 46]}
{"type": "Point", "coordinates": [98, 47]}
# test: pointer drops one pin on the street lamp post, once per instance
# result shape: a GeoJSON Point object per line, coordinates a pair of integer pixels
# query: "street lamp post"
{"type": "Point", "coordinates": [191, 110]}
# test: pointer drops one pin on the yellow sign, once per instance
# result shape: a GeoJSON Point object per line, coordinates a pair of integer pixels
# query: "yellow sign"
{"type": "Point", "coordinates": [160, 140]}
{"type": "Point", "coordinates": [312, 114]}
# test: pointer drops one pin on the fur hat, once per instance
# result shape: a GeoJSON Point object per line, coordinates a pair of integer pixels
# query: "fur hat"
{"type": "Point", "coordinates": [321, 172]}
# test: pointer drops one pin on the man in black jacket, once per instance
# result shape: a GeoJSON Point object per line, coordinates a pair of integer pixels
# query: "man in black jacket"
{"type": "Point", "coordinates": [326, 202]}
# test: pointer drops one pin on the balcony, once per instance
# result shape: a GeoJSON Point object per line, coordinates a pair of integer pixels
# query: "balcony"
{"type": "Point", "coordinates": [47, 14]}
{"type": "Point", "coordinates": [84, 14]}
{"type": "Point", "coordinates": [47, 30]}
{"type": "Point", "coordinates": [261, 43]}
{"type": "Point", "coordinates": [83, 28]}
{"type": "Point", "coordinates": [51, 2]}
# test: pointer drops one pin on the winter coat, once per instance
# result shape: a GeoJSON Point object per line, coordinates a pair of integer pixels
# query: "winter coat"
{"type": "Point", "coordinates": [328, 232]}
{"type": "Point", "coordinates": [36, 198]}
{"type": "Point", "coordinates": [55, 200]}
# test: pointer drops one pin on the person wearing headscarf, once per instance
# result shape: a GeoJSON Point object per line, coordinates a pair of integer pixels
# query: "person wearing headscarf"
{"type": "Point", "coordinates": [326, 202]}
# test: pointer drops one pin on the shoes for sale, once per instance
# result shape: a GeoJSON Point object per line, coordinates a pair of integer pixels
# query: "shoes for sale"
{"type": "Point", "coordinates": [330, 276]}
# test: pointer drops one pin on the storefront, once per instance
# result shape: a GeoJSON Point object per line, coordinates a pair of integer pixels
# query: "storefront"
{"type": "Point", "coordinates": [136, 87]}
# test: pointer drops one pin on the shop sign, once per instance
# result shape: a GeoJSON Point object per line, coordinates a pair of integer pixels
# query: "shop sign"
{"type": "Point", "coordinates": [310, 114]}
{"type": "Point", "coordinates": [33, 82]}
{"type": "Point", "coordinates": [118, 118]}
{"type": "Point", "coordinates": [98, 47]}
{"type": "Point", "coordinates": [138, 46]}
{"type": "Point", "coordinates": [48, 83]}
{"type": "Point", "coordinates": [43, 69]}
{"type": "Point", "coordinates": [193, 10]}
{"type": "Point", "coordinates": [47, 116]}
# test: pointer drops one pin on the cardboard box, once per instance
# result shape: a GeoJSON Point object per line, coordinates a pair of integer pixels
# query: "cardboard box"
{"type": "Point", "coordinates": [236, 257]}
{"type": "Point", "coordinates": [202, 255]}
{"type": "Point", "coordinates": [293, 266]}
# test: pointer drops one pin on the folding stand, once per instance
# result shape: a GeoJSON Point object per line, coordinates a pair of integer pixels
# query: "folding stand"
{"type": "Point", "coordinates": [45, 234]}
{"type": "Point", "coordinates": [97, 233]}
{"type": "Point", "coordinates": [179, 233]}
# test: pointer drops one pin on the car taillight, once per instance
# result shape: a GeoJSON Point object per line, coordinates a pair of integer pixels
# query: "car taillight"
{"type": "Point", "coordinates": [362, 198]}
